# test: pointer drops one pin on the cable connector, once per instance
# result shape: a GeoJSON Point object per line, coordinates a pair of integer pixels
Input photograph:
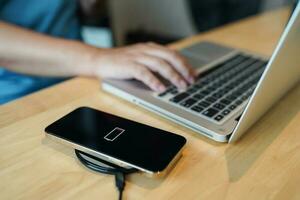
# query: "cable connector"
{"type": "Point", "coordinates": [120, 183]}
{"type": "Point", "coordinates": [113, 169]}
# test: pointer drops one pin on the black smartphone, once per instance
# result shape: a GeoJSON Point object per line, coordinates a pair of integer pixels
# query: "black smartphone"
{"type": "Point", "coordinates": [118, 140]}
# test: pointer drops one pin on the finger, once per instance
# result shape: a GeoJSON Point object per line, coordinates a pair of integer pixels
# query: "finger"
{"type": "Point", "coordinates": [141, 73]}
{"type": "Point", "coordinates": [174, 58]}
{"type": "Point", "coordinates": [163, 68]}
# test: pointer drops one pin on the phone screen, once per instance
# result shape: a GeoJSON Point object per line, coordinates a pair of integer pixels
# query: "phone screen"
{"type": "Point", "coordinates": [147, 147]}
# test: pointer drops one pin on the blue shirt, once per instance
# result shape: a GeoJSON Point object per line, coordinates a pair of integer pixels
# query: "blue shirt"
{"type": "Point", "coordinates": [53, 17]}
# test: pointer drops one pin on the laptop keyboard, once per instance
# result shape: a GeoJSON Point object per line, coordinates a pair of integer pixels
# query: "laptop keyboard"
{"type": "Point", "coordinates": [220, 91]}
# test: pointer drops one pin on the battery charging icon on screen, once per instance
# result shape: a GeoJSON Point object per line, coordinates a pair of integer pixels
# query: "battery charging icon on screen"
{"type": "Point", "coordinates": [112, 135]}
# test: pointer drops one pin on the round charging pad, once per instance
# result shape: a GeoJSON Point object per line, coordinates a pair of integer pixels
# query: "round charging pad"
{"type": "Point", "coordinates": [96, 163]}
{"type": "Point", "coordinates": [104, 167]}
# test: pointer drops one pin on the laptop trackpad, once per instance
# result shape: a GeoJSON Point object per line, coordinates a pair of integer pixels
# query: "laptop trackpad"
{"type": "Point", "coordinates": [204, 52]}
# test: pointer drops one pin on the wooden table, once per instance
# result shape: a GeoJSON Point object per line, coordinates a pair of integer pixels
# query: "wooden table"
{"type": "Point", "coordinates": [264, 164]}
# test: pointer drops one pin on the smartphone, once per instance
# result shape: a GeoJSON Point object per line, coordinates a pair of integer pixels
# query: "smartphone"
{"type": "Point", "coordinates": [118, 140]}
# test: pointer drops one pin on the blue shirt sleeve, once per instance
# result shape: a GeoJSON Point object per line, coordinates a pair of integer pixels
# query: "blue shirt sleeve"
{"type": "Point", "coordinates": [57, 18]}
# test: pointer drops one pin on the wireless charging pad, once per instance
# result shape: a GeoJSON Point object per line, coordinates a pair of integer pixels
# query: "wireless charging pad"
{"type": "Point", "coordinates": [104, 167]}
{"type": "Point", "coordinates": [95, 162]}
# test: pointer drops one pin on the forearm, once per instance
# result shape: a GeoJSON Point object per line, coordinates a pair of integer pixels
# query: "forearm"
{"type": "Point", "coordinates": [28, 52]}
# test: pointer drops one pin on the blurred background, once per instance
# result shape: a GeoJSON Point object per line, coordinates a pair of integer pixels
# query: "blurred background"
{"type": "Point", "coordinates": [122, 22]}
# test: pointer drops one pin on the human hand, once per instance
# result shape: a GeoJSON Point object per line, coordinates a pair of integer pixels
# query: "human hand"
{"type": "Point", "coordinates": [139, 61]}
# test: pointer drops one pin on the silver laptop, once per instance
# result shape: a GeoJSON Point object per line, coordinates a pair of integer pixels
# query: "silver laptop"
{"type": "Point", "coordinates": [233, 90]}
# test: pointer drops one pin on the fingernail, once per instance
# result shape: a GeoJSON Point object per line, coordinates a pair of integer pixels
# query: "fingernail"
{"type": "Point", "coordinates": [182, 84]}
{"type": "Point", "coordinates": [161, 88]}
{"type": "Point", "coordinates": [191, 79]}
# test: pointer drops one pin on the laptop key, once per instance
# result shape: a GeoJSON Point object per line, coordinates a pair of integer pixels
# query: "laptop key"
{"type": "Point", "coordinates": [211, 99]}
{"type": "Point", "coordinates": [212, 88]}
{"type": "Point", "coordinates": [197, 108]}
{"type": "Point", "coordinates": [162, 94]}
{"type": "Point", "coordinates": [226, 112]}
{"type": "Point", "coordinates": [232, 107]}
{"type": "Point", "coordinates": [229, 87]}
{"type": "Point", "coordinates": [169, 90]}
{"type": "Point", "coordinates": [198, 85]}
{"type": "Point", "coordinates": [219, 106]}
{"type": "Point", "coordinates": [204, 82]}
{"type": "Point", "coordinates": [179, 97]}
{"type": "Point", "coordinates": [217, 95]}
{"type": "Point", "coordinates": [239, 92]}
{"type": "Point", "coordinates": [231, 97]}
{"type": "Point", "coordinates": [198, 96]}
{"type": "Point", "coordinates": [238, 102]}
{"type": "Point", "coordinates": [188, 102]}
{"type": "Point", "coordinates": [219, 117]}
{"type": "Point", "coordinates": [174, 91]}
{"type": "Point", "coordinates": [225, 101]}
{"type": "Point", "coordinates": [192, 90]}
{"type": "Point", "coordinates": [222, 91]}
{"type": "Point", "coordinates": [226, 90]}
{"type": "Point", "coordinates": [244, 98]}
{"type": "Point", "coordinates": [210, 112]}
{"type": "Point", "coordinates": [205, 92]}
{"type": "Point", "coordinates": [204, 104]}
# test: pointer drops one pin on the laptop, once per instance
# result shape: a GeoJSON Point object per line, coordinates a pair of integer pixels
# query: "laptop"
{"type": "Point", "coordinates": [233, 90]}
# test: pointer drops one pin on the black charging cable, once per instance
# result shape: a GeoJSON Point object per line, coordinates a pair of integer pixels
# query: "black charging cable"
{"type": "Point", "coordinates": [109, 168]}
